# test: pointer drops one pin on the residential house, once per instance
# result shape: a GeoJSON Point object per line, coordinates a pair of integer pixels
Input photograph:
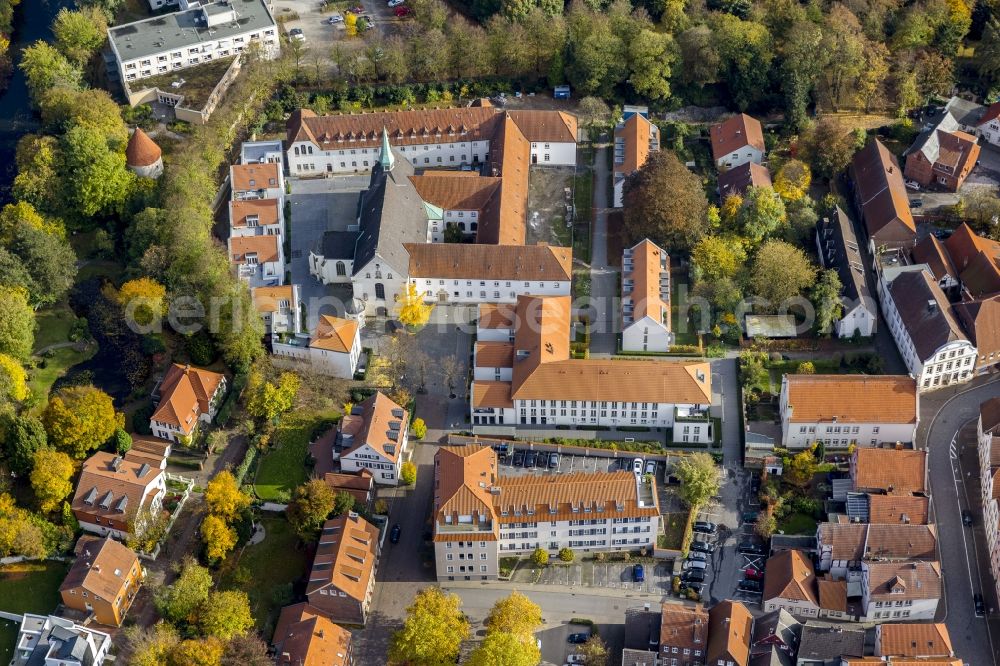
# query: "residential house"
{"type": "Point", "coordinates": [342, 578]}
{"type": "Point", "coordinates": [838, 249]}
{"type": "Point", "coordinates": [360, 486]}
{"type": "Point", "coordinates": [776, 630]}
{"type": "Point", "coordinates": [942, 156]}
{"type": "Point", "coordinates": [736, 141]}
{"type": "Point", "coordinates": [333, 349]}
{"type": "Point", "coordinates": [966, 113]}
{"type": "Point", "coordinates": [981, 321]}
{"type": "Point", "coordinates": [933, 345]}
{"type": "Point", "coordinates": [790, 584]}
{"type": "Point", "coordinates": [989, 124]}
{"type": "Point", "coordinates": [52, 640]}
{"type": "Point", "coordinates": [255, 217]}
{"type": "Point", "coordinates": [842, 547]}
{"type": "Point", "coordinates": [142, 156]}
{"type": "Point", "coordinates": [988, 438]}
{"type": "Point", "coordinates": [845, 410]}
{"type": "Point", "coordinates": [977, 262]}
{"type": "Point", "coordinates": [890, 471]}
{"type": "Point", "coordinates": [646, 298]}
{"type": "Point", "coordinates": [116, 495]}
{"type": "Point", "coordinates": [374, 436]}
{"type": "Point", "coordinates": [730, 629]}
{"type": "Point", "coordinates": [280, 308]}
{"type": "Point", "coordinates": [263, 152]}
{"type": "Point", "coordinates": [913, 640]}
{"type": "Point", "coordinates": [305, 636]}
{"type": "Point", "coordinates": [833, 599]}
{"type": "Point", "coordinates": [479, 517]}
{"type": "Point", "coordinates": [880, 197]}
{"type": "Point", "coordinates": [771, 657]}
{"type": "Point", "coordinates": [185, 397]}
{"type": "Point", "coordinates": [900, 590]}
{"type": "Point", "coordinates": [255, 180]}
{"type": "Point", "coordinates": [683, 635]}
{"type": "Point", "coordinates": [632, 657]}
{"type": "Point", "coordinates": [198, 33]}
{"type": "Point", "coordinates": [739, 179]}
{"type": "Point", "coordinates": [257, 260]}
{"type": "Point", "coordinates": [550, 388]}
{"type": "Point", "coordinates": [824, 644]}
{"type": "Point", "coordinates": [934, 254]}
{"type": "Point", "coordinates": [103, 580]}
{"type": "Point", "coordinates": [635, 138]}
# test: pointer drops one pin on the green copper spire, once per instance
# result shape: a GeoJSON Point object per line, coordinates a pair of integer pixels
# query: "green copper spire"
{"type": "Point", "coordinates": [385, 158]}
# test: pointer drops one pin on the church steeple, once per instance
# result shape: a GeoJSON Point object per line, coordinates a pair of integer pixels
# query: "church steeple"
{"type": "Point", "coordinates": [385, 157]}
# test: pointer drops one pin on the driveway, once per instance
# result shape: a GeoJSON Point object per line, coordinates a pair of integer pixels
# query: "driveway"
{"type": "Point", "coordinates": [943, 413]}
{"type": "Point", "coordinates": [603, 278]}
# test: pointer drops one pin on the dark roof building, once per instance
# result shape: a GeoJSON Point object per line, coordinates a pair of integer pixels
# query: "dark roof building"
{"type": "Point", "coordinates": [880, 196]}
{"type": "Point", "coordinates": [824, 644]}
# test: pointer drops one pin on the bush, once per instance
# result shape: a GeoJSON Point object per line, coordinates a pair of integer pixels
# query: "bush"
{"type": "Point", "coordinates": [153, 344]}
{"type": "Point", "coordinates": [199, 348]}
{"type": "Point", "coordinates": [408, 473]}
{"type": "Point", "coordinates": [140, 420]}
{"type": "Point", "coordinates": [418, 429]}
{"type": "Point", "coordinates": [540, 557]}
{"type": "Point", "coordinates": [566, 555]}
{"type": "Point", "coordinates": [381, 507]}
{"type": "Point", "coordinates": [241, 471]}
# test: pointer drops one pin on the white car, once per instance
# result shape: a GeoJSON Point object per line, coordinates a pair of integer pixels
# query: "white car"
{"type": "Point", "coordinates": [396, 3]}
{"type": "Point", "coordinates": [336, 18]}
{"type": "Point", "coordinates": [297, 35]}
{"type": "Point", "coordinates": [637, 465]}
{"type": "Point", "coordinates": [912, 185]}
{"type": "Point", "coordinates": [575, 659]}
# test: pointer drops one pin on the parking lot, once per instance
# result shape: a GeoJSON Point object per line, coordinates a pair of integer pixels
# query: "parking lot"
{"type": "Point", "coordinates": [515, 463]}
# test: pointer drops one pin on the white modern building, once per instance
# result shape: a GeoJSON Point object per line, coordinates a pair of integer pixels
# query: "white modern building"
{"type": "Point", "coordinates": [257, 181]}
{"type": "Point", "coordinates": [333, 349]}
{"type": "Point", "coordinates": [896, 591]}
{"type": "Point", "coordinates": [54, 641]}
{"type": "Point", "coordinates": [933, 345]}
{"type": "Point", "coordinates": [988, 432]}
{"type": "Point", "coordinates": [374, 436]}
{"type": "Point", "coordinates": [197, 33]}
{"type": "Point", "coordinates": [845, 410]}
{"type": "Point", "coordinates": [646, 298]}
{"type": "Point", "coordinates": [258, 260]}
{"type": "Point", "coordinates": [549, 388]}
{"type": "Point", "coordinates": [263, 152]}
{"type": "Point", "coordinates": [480, 517]}
{"type": "Point", "coordinates": [838, 249]}
{"type": "Point", "coordinates": [280, 308]}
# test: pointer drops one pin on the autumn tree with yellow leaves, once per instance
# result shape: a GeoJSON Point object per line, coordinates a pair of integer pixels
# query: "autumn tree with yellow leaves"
{"type": "Point", "coordinates": [413, 311]}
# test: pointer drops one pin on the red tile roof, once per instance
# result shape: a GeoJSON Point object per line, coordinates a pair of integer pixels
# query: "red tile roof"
{"type": "Point", "coordinates": [141, 150]}
{"type": "Point", "coordinates": [735, 133]}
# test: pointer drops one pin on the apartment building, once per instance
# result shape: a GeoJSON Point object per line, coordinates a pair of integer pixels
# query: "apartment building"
{"type": "Point", "coordinates": [255, 180]}
{"type": "Point", "coordinates": [900, 590]}
{"type": "Point", "coordinates": [255, 217]}
{"type": "Point", "coordinates": [842, 547]}
{"type": "Point", "coordinates": [988, 437]}
{"type": "Point", "coordinates": [790, 584]}
{"type": "Point", "coordinates": [683, 635]}
{"type": "Point", "coordinates": [280, 308]}
{"type": "Point", "coordinates": [890, 471]}
{"type": "Point", "coordinates": [305, 636]}
{"type": "Point", "coordinates": [547, 387]}
{"type": "Point", "coordinates": [913, 640]}
{"type": "Point", "coordinates": [646, 298]}
{"type": "Point", "coordinates": [838, 249]}
{"type": "Point", "coordinates": [828, 644]}
{"type": "Point", "coordinates": [185, 397]}
{"type": "Point", "coordinates": [102, 581]}
{"type": "Point", "coordinates": [258, 260]}
{"type": "Point", "coordinates": [342, 577]}
{"type": "Point", "coordinates": [199, 32]}
{"type": "Point", "coordinates": [635, 138]}
{"type": "Point", "coordinates": [845, 410]}
{"type": "Point", "coordinates": [933, 345]}
{"type": "Point", "coordinates": [736, 141]}
{"type": "Point", "coordinates": [880, 198]}
{"type": "Point", "coordinates": [480, 517]}
{"type": "Point", "coordinates": [51, 640]}
{"type": "Point", "coordinates": [333, 348]}
{"type": "Point", "coordinates": [730, 630]}
{"type": "Point", "coordinates": [374, 437]}
{"type": "Point", "coordinates": [118, 494]}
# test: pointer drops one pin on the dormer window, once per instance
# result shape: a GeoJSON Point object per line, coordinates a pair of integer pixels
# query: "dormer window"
{"type": "Point", "coordinates": [253, 220]}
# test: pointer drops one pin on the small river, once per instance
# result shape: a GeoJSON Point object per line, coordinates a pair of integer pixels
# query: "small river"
{"type": "Point", "coordinates": [32, 21]}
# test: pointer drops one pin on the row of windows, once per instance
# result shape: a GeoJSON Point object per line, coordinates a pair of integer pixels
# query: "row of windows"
{"type": "Point", "coordinates": [470, 569]}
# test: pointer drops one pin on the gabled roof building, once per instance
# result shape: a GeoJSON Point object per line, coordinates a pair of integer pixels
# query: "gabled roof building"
{"type": "Point", "coordinates": [736, 141]}
{"type": "Point", "coordinates": [185, 397]}
{"type": "Point", "coordinates": [103, 580]}
{"type": "Point", "coordinates": [374, 436]}
{"type": "Point", "coordinates": [646, 298]}
{"type": "Point", "coordinates": [635, 138]}
{"type": "Point", "coordinates": [342, 578]}
{"type": "Point", "coordinates": [880, 198]}
{"type": "Point", "coordinates": [118, 494]}
{"type": "Point", "coordinates": [838, 249]}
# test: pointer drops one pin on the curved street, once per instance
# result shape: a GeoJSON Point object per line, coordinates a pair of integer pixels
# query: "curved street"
{"type": "Point", "coordinates": [943, 413]}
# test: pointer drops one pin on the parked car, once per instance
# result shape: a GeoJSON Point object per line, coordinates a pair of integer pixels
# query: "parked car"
{"type": "Point", "coordinates": [638, 573]}
{"type": "Point", "coordinates": [705, 527]}
{"type": "Point", "coordinates": [977, 599]}
{"type": "Point", "coordinates": [967, 518]}
{"type": "Point", "coordinates": [637, 465]}
{"type": "Point", "coordinates": [697, 587]}
{"type": "Point", "coordinates": [336, 18]}
{"type": "Point", "coordinates": [750, 516]}
{"type": "Point", "coordinates": [693, 576]}
{"type": "Point", "coordinates": [754, 586]}
{"type": "Point", "coordinates": [912, 185]}
{"type": "Point", "coordinates": [518, 459]}
{"type": "Point", "coordinates": [942, 234]}
{"type": "Point", "coordinates": [530, 458]}
{"type": "Point", "coordinates": [394, 533]}
{"type": "Point", "coordinates": [396, 3]}
{"type": "Point", "coordinates": [916, 203]}
{"type": "Point", "coordinates": [753, 574]}
{"type": "Point", "coordinates": [576, 659]}
{"type": "Point", "coordinates": [296, 34]}
{"type": "Point", "coordinates": [695, 564]}
{"type": "Point", "coordinates": [577, 639]}
{"type": "Point", "coordinates": [703, 546]}
{"type": "Point", "coordinates": [696, 555]}
{"type": "Point", "coordinates": [751, 548]}
{"type": "Point", "coordinates": [651, 467]}
{"type": "Point", "coordinates": [754, 484]}
{"type": "Point", "coordinates": [553, 460]}
{"type": "Point", "coordinates": [403, 11]}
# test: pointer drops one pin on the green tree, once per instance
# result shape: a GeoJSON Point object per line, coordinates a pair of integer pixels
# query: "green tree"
{"type": "Point", "coordinates": [540, 557]}
{"type": "Point", "coordinates": [197, 652]}
{"type": "Point", "coordinates": [408, 473]}
{"type": "Point", "coordinates": [24, 435]}
{"type": "Point", "coordinates": [699, 479]}
{"type": "Point", "coordinates": [805, 368]}
{"type": "Point", "coordinates": [96, 178]}
{"type": "Point", "coordinates": [80, 33]}
{"type": "Point", "coordinates": [766, 524]}
{"type": "Point", "coordinates": [225, 614]}
{"type": "Point", "coordinates": [51, 478]}
{"type": "Point", "coordinates": [17, 323]}
{"type": "Point", "coordinates": [13, 381]}
{"type": "Point", "coordinates": [122, 441]}
{"type": "Point", "coordinates": [151, 646]}
{"type": "Point", "coordinates": [746, 52]}
{"type": "Point", "coordinates": [505, 648]}
{"type": "Point", "coordinates": [718, 257]}
{"type": "Point", "coordinates": [343, 502]}
{"type": "Point", "coordinates": [988, 50]}
{"type": "Point", "coordinates": [49, 260]}
{"type": "Point", "coordinates": [63, 108]}
{"type": "Point", "coordinates": [666, 203]}
{"type": "Point", "coordinates": [826, 300]}
{"type": "Point", "coordinates": [651, 55]}
{"type": "Point", "coordinates": [780, 272]}
{"type": "Point", "coordinates": [311, 504]}
{"type": "Point", "coordinates": [700, 57]}
{"type": "Point", "coordinates": [761, 214]}
{"type": "Point", "coordinates": [246, 650]}
{"type": "Point", "coordinates": [78, 419]}
{"type": "Point", "coordinates": [800, 469]}
{"type": "Point", "coordinates": [828, 146]}
{"type": "Point", "coordinates": [37, 170]}
{"type": "Point", "coordinates": [516, 614]}
{"type": "Point", "coordinates": [595, 65]}
{"type": "Point", "coordinates": [566, 555]}
{"type": "Point", "coordinates": [44, 67]}
{"type": "Point", "coordinates": [432, 632]}
{"type": "Point", "coordinates": [418, 429]}
{"type": "Point", "coordinates": [792, 179]}
{"type": "Point", "coordinates": [179, 602]}
{"type": "Point", "coordinates": [224, 496]}
{"type": "Point", "coordinates": [266, 400]}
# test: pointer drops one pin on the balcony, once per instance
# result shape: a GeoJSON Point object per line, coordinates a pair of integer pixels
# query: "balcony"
{"type": "Point", "coordinates": [691, 414]}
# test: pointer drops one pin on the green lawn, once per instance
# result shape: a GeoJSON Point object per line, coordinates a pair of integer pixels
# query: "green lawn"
{"type": "Point", "coordinates": [798, 523]}
{"type": "Point", "coordinates": [29, 587]}
{"type": "Point", "coordinates": [54, 325]}
{"type": "Point", "coordinates": [284, 468]}
{"type": "Point", "coordinates": [684, 333]}
{"type": "Point", "coordinates": [267, 570]}
{"type": "Point", "coordinates": [673, 530]}
{"type": "Point", "coordinates": [40, 379]}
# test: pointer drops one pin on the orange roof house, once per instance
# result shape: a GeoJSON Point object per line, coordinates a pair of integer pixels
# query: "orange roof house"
{"type": "Point", "coordinates": [892, 471]}
{"type": "Point", "coordinates": [247, 178]}
{"type": "Point", "coordinates": [250, 214]}
{"type": "Point", "coordinates": [737, 140]}
{"type": "Point", "coordinates": [343, 572]}
{"type": "Point", "coordinates": [977, 260]}
{"type": "Point", "coordinates": [103, 580]}
{"type": "Point", "coordinates": [686, 629]}
{"type": "Point", "coordinates": [335, 334]}
{"type": "Point", "coordinates": [730, 628]}
{"type": "Point", "coordinates": [646, 298]}
{"type": "Point", "coordinates": [264, 249]}
{"type": "Point", "coordinates": [113, 491]}
{"type": "Point", "coordinates": [880, 194]}
{"type": "Point", "coordinates": [185, 396]}
{"type": "Point", "coordinates": [305, 636]}
{"type": "Point", "coordinates": [374, 436]}
{"type": "Point", "coordinates": [635, 138]}
{"type": "Point", "coordinates": [917, 640]}
{"type": "Point", "coordinates": [790, 583]}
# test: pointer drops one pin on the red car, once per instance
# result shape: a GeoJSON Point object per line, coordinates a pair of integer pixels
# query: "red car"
{"type": "Point", "coordinates": [403, 11]}
{"type": "Point", "coordinates": [753, 574]}
{"type": "Point", "coordinates": [356, 10]}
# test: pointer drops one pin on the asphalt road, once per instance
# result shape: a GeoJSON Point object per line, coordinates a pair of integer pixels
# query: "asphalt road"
{"type": "Point", "coordinates": [943, 413]}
